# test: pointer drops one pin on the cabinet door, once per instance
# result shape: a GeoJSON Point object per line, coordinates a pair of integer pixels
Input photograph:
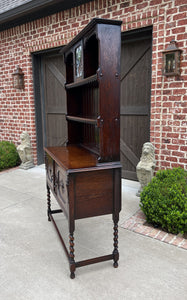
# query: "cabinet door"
{"type": "Point", "coordinates": [49, 171]}
{"type": "Point", "coordinates": [61, 188]}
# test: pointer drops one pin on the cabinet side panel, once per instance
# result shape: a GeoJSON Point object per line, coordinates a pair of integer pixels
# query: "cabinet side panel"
{"type": "Point", "coordinates": [109, 81]}
{"type": "Point", "coordinates": [94, 194]}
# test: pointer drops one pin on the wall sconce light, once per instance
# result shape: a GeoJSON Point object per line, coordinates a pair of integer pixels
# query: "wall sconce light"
{"type": "Point", "coordinates": [18, 79]}
{"type": "Point", "coordinates": [171, 60]}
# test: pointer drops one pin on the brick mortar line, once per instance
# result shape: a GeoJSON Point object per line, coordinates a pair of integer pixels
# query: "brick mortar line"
{"type": "Point", "coordinates": [136, 225]}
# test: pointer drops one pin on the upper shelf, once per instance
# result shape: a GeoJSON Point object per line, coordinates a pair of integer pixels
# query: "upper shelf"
{"type": "Point", "coordinates": [85, 81]}
{"type": "Point", "coordinates": [82, 120]}
{"type": "Point", "coordinates": [87, 30]}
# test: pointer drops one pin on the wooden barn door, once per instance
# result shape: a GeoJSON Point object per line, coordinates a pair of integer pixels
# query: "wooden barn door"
{"type": "Point", "coordinates": [135, 98]}
{"type": "Point", "coordinates": [54, 100]}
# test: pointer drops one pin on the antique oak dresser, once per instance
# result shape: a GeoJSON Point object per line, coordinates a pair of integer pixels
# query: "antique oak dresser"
{"type": "Point", "coordinates": [85, 175]}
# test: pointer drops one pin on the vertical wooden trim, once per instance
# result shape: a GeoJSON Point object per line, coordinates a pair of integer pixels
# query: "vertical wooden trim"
{"type": "Point", "coordinates": [117, 194]}
{"type": "Point", "coordinates": [36, 65]}
{"type": "Point", "coordinates": [42, 100]}
{"type": "Point", "coordinates": [71, 181]}
{"type": "Point", "coordinates": [109, 81]}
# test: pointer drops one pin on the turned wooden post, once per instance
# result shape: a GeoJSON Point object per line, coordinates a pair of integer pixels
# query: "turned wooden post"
{"type": "Point", "coordinates": [71, 256]}
{"type": "Point", "coordinates": [48, 203]}
{"type": "Point", "coordinates": [115, 251]}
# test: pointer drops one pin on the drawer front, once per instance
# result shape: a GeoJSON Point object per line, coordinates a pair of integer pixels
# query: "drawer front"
{"type": "Point", "coordinates": [49, 163]}
{"type": "Point", "coordinates": [61, 183]}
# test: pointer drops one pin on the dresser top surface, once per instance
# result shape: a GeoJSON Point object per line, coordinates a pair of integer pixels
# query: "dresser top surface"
{"type": "Point", "coordinates": [74, 158]}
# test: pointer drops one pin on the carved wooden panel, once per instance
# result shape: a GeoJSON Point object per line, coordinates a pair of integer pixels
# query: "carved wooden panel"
{"type": "Point", "coordinates": [61, 182]}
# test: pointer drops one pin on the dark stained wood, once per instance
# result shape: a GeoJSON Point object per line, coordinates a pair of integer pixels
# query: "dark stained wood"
{"type": "Point", "coordinates": [72, 157]}
{"type": "Point", "coordinates": [93, 260]}
{"type": "Point", "coordinates": [82, 193]}
{"type": "Point", "coordinates": [85, 81]}
{"type": "Point", "coordinates": [107, 38]}
{"type": "Point", "coordinates": [85, 33]}
{"type": "Point", "coordinates": [81, 119]}
{"type": "Point", "coordinates": [135, 99]}
{"type": "Point", "coordinates": [91, 187]}
{"type": "Point", "coordinates": [109, 82]}
{"type": "Point", "coordinates": [85, 175]}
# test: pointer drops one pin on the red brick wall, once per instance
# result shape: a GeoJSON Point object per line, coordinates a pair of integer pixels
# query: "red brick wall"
{"type": "Point", "coordinates": [168, 94]}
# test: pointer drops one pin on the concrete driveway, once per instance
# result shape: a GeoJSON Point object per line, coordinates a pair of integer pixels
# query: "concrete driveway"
{"type": "Point", "coordinates": [33, 265]}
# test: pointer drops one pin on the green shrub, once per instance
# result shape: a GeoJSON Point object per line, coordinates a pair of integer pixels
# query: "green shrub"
{"type": "Point", "coordinates": [8, 155]}
{"type": "Point", "coordinates": [164, 200]}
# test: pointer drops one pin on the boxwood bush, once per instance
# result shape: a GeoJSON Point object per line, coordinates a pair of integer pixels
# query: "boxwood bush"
{"type": "Point", "coordinates": [8, 155]}
{"type": "Point", "coordinates": [164, 200]}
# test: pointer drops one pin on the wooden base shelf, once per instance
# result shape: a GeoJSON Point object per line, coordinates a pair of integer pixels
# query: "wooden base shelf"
{"type": "Point", "coordinates": [58, 232]}
{"type": "Point", "coordinates": [81, 263]}
{"type": "Point", "coordinates": [93, 260]}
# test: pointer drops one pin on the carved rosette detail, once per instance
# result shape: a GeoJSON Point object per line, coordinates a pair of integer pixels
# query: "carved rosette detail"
{"type": "Point", "coordinates": [60, 186]}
